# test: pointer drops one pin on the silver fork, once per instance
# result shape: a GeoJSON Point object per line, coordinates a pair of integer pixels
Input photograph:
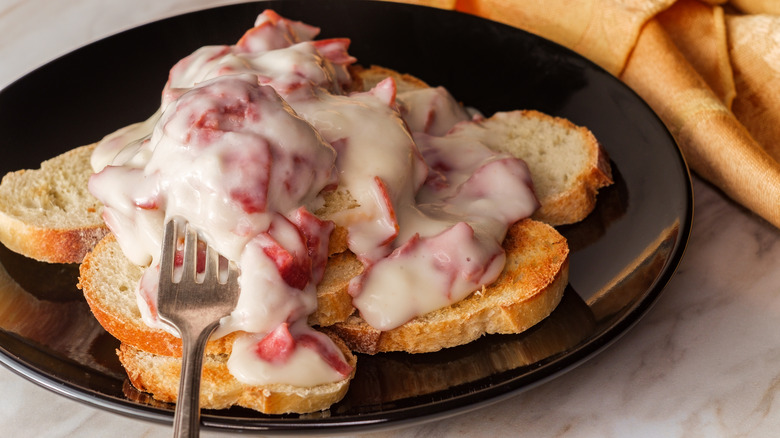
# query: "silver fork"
{"type": "Point", "coordinates": [193, 304]}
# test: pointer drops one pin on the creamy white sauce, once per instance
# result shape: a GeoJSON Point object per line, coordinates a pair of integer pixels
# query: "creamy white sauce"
{"type": "Point", "coordinates": [431, 111]}
{"type": "Point", "coordinates": [450, 240]}
{"type": "Point", "coordinates": [292, 360]}
{"type": "Point", "coordinates": [378, 162]}
{"type": "Point", "coordinates": [246, 140]}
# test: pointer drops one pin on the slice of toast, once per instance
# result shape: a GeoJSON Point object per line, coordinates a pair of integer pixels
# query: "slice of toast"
{"type": "Point", "coordinates": [159, 376]}
{"type": "Point", "coordinates": [48, 214]}
{"type": "Point", "coordinates": [527, 291]}
{"type": "Point", "coordinates": [109, 281]}
{"type": "Point", "coordinates": [568, 165]}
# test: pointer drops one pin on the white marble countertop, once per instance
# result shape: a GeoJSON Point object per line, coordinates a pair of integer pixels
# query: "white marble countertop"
{"type": "Point", "coordinates": [704, 362]}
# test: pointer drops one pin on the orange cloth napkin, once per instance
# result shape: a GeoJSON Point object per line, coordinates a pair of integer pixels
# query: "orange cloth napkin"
{"type": "Point", "coordinates": [709, 68]}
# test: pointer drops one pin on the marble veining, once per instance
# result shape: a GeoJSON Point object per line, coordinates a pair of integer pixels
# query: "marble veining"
{"type": "Point", "coordinates": [704, 362]}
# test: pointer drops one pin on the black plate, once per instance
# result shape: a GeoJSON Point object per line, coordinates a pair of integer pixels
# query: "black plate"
{"type": "Point", "coordinates": [624, 253]}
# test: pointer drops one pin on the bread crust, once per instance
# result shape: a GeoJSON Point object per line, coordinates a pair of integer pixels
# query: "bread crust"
{"type": "Point", "coordinates": [49, 245]}
{"type": "Point", "coordinates": [573, 205]}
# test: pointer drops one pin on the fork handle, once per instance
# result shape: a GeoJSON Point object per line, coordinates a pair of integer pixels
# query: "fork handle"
{"type": "Point", "coordinates": [186, 420]}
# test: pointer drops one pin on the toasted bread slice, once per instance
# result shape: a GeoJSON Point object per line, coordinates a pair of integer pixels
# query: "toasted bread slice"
{"type": "Point", "coordinates": [527, 291]}
{"type": "Point", "coordinates": [47, 213]}
{"type": "Point", "coordinates": [567, 163]}
{"type": "Point", "coordinates": [159, 376]}
{"type": "Point", "coordinates": [109, 281]}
